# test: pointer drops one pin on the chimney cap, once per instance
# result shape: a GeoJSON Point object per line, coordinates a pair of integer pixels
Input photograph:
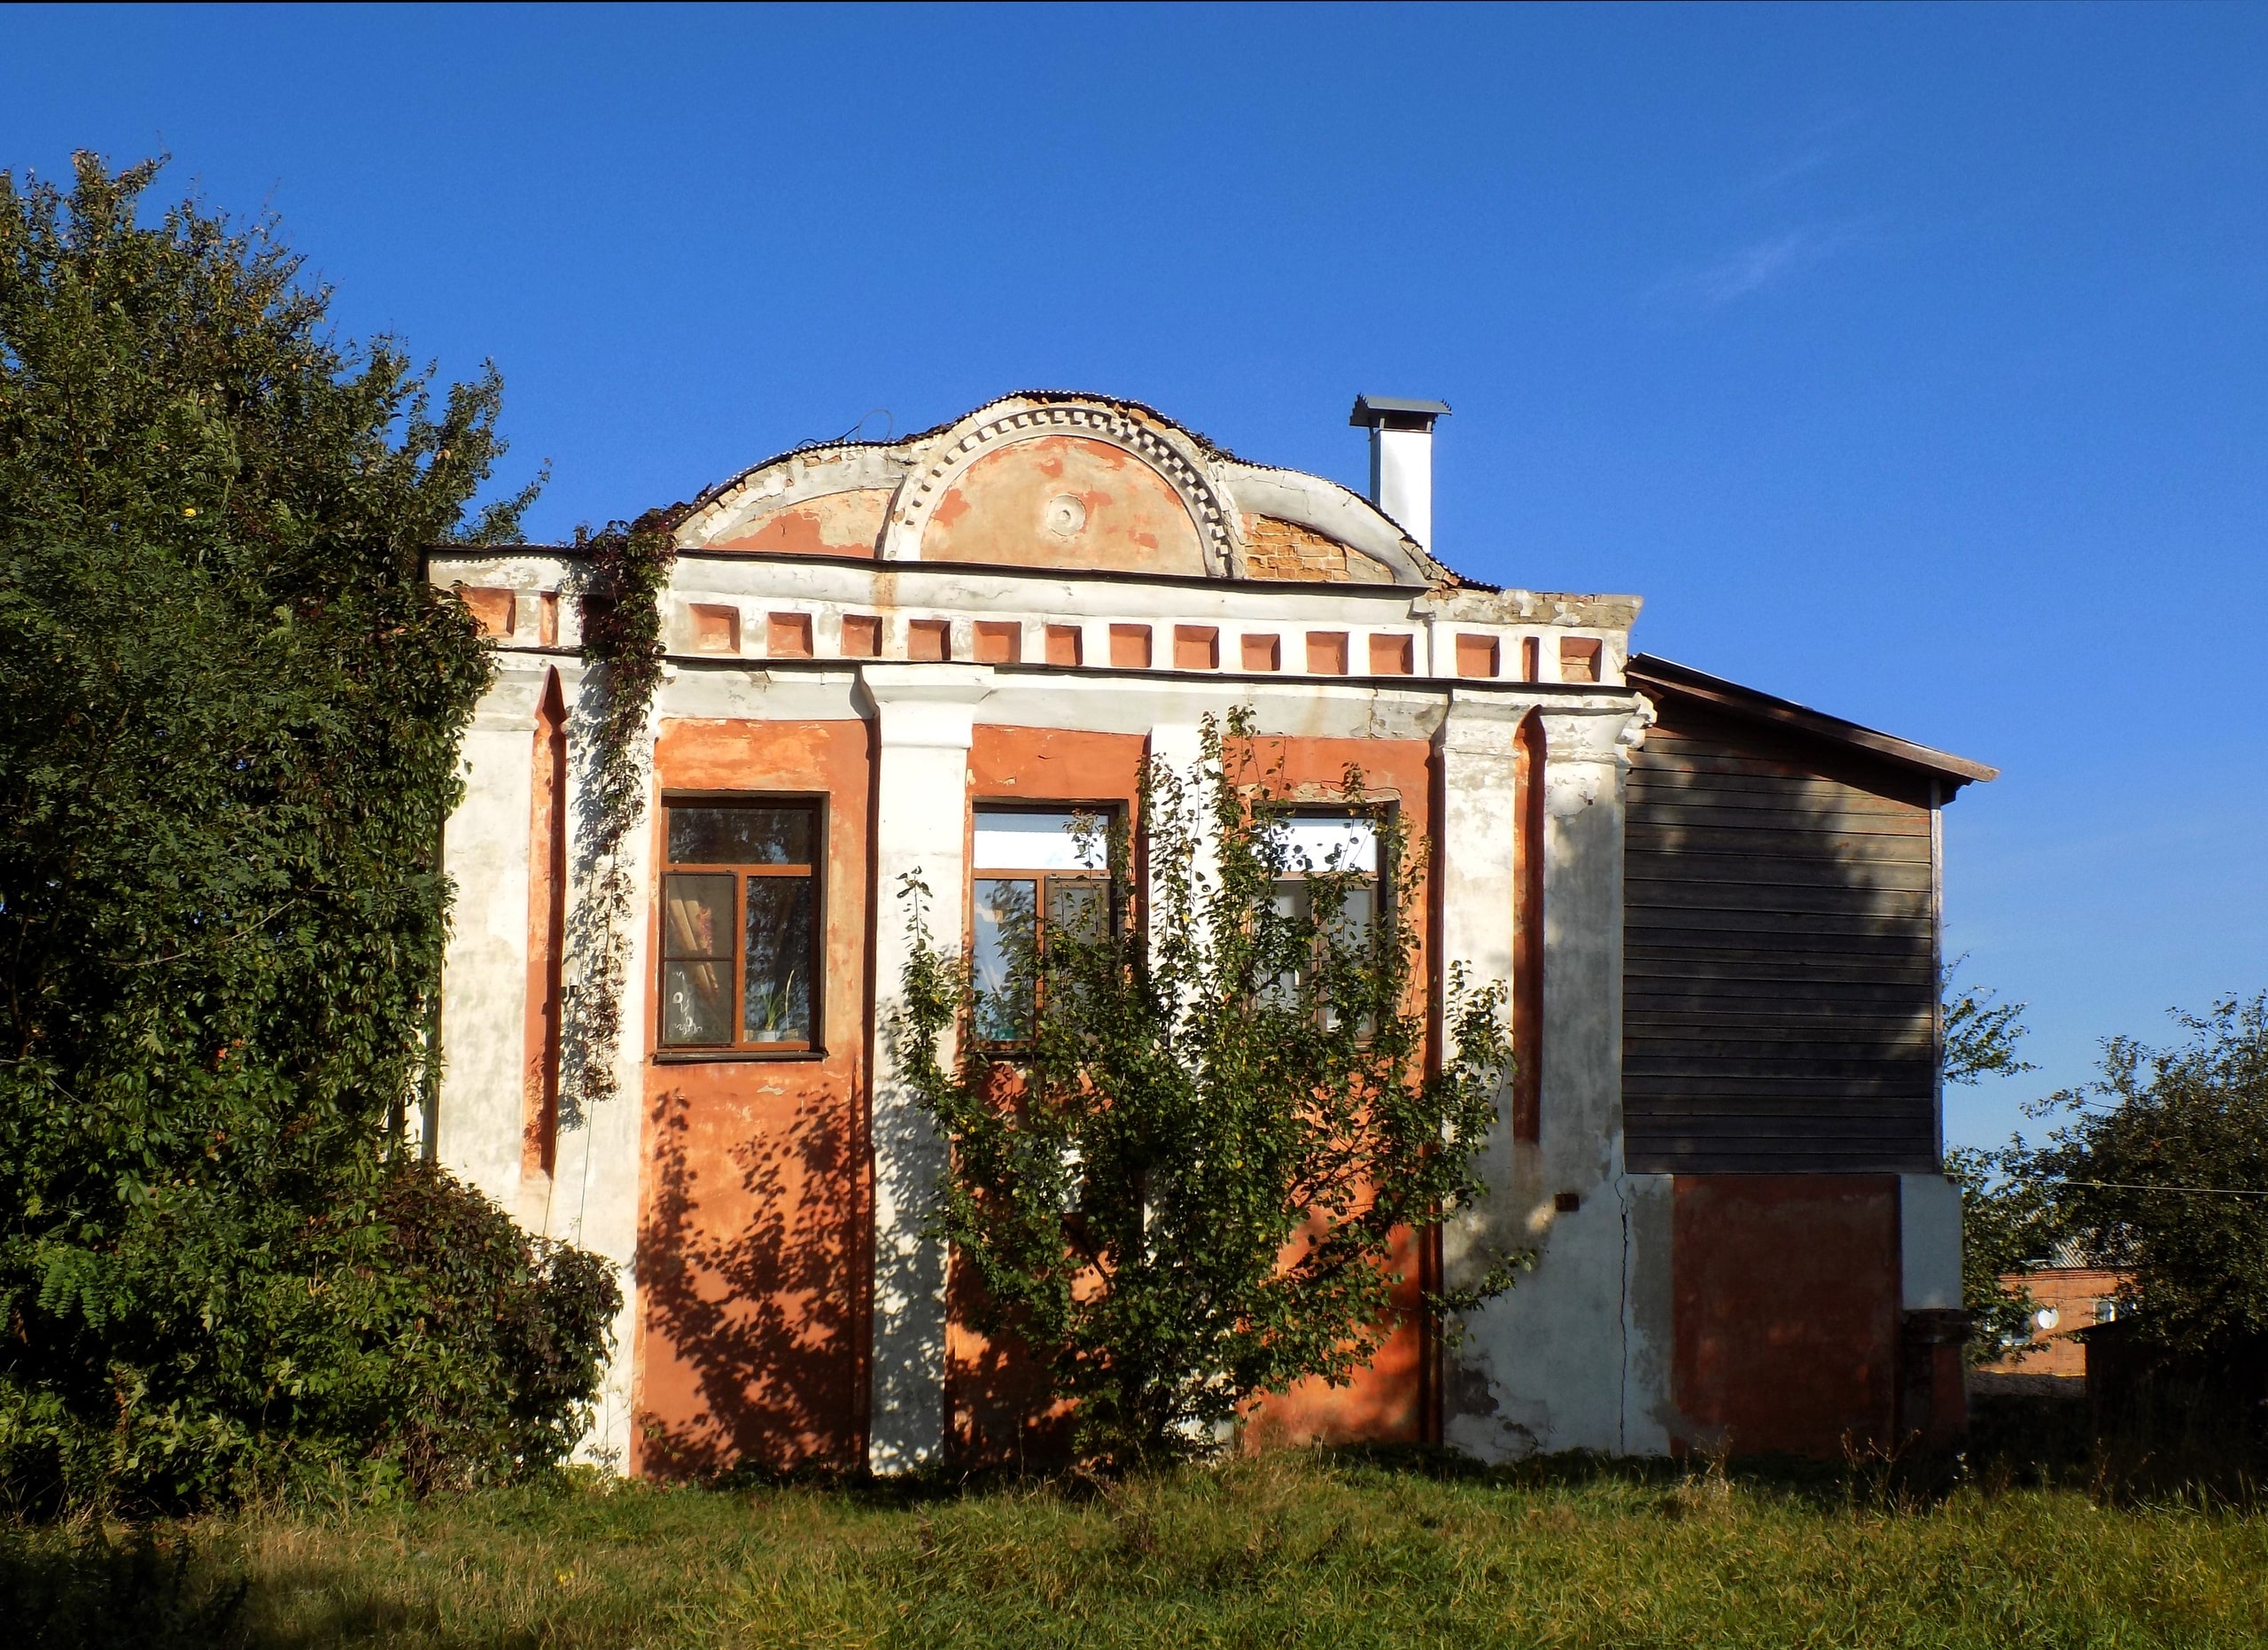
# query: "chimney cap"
{"type": "Point", "coordinates": [1395, 412]}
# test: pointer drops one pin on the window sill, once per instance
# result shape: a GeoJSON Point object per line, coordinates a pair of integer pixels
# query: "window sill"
{"type": "Point", "coordinates": [732, 1056]}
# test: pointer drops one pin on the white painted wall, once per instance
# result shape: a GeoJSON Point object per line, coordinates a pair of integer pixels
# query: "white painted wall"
{"type": "Point", "coordinates": [1577, 1355]}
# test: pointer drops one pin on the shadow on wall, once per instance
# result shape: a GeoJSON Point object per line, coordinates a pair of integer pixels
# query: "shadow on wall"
{"type": "Point", "coordinates": [752, 1318]}
{"type": "Point", "coordinates": [1779, 1059]}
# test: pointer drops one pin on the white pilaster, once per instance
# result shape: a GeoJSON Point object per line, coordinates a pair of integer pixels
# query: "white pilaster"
{"type": "Point", "coordinates": [593, 1202]}
{"type": "Point", "coordinates": [476, 1133]}
{"type": "Point", "coordinates": [1577, 1356]}
{"type": "Point", "coordinates": [924, 715]}
{"type": "Point", "coordinates": [1478, 748]}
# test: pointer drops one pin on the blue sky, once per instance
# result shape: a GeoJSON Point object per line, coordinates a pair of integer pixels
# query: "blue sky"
{"type": "Point", "coordinates": [1911, 362]}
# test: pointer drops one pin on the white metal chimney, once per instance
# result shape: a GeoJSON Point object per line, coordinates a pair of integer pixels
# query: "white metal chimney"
{"type": "Point", "coordinates": [1402, 460]}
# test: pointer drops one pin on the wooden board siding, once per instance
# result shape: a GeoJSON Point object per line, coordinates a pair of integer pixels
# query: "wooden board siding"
{"type": "Point", "coordinates": [1780, 953]}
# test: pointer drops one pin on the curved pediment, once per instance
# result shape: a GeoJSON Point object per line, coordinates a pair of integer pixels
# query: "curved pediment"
{"type": "Point", "coordinates": [1085, 484]}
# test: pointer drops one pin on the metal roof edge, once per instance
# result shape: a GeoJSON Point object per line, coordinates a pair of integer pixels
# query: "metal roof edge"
{"type": "Point", "coordinates": [1646, 669]}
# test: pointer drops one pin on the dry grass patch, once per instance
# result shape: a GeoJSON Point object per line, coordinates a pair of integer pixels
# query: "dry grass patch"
{"type": "Point", "coordinates": [1280, 1551]}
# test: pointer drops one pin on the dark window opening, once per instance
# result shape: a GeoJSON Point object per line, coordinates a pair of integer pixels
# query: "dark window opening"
{"type": "Point", "coordinates": [741, 926]}
{"type": "Point", "coordinates": [1027, 861]}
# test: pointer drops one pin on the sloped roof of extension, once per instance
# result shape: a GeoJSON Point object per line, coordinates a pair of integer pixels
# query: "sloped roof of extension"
{"type": "Point", "coordinates": [1651, 674]}
{"type": "Point", "coordinates": [1098, 490]}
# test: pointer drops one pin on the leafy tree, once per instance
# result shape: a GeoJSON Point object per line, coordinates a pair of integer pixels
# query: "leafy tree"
{"type": "Point", "coordinates": [2164, 1168]}
{"type": "Point", "coordinates": [1185, 1178]}
{"type": "Point", "coordinates": [233, 703]}
{"type": "Point", "coordinates": [2009, 1220]}
{"type": "Point", "coordinates": [1981, 1033]}
{"type": "Point", "coordinates": [2008, 1217]}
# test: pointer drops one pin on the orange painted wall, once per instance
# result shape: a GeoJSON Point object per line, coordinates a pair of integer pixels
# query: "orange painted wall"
{"type": "Point", "coordinates": [754, 1252]}
{"type": "Point", "coordinates": [1061, 501]}
{"type": "Point", "coordinates": [834, 524]}
{"type": "Point", "coordinates": [1392, 1399]}
{"type": "Point", "coordinates": [996, 1397]}
{"type": "Point", "coordinates": [1785, 1308]}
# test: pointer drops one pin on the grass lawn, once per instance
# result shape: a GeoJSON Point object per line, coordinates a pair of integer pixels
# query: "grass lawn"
{"type": "Point", "coordinates": [1278, 1550]}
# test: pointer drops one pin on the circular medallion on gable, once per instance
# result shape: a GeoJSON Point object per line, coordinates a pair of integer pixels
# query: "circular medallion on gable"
{"type": "Point", "coordinates": [1064, 516]}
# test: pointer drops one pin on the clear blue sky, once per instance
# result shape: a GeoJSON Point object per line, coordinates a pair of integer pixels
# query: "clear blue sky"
{"type": "Point", "coordinates": [1912, 362]}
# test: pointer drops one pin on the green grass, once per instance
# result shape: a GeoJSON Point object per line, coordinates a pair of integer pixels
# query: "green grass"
{"type": "Point", "coordinates": [1278, 1551]}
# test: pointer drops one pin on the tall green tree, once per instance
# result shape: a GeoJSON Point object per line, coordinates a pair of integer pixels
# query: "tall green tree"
{"type": "Point", "coordinates": [2162, 1167]}
{"type": "Point", "coordinates": [2007, 1217]}
{"type": "Point", "coordinates": [1194, 1127]}
{"type": "Point", "coordinates": [232, 706]}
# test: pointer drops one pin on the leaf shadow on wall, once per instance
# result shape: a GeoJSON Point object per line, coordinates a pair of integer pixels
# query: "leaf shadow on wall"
{"type": "Point", "coordinates": [752, 1293]}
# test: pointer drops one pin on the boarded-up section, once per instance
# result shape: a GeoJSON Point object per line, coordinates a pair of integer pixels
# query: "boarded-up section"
{"type": "Point", "coordinates": [1780, 950]}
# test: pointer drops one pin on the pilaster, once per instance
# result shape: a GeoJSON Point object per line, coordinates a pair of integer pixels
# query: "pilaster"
{"type": "Point", "coordinates": [924, 718]}
{"type": "Point", "coordinates": [1576, 1356]}
{"type": "Point", "coordinates": [476, 1131]}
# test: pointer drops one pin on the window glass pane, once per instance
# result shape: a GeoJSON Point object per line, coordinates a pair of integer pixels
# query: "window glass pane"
{"type": "Point", "coordinates": [1078, 906]}
{"type": "Point", "coordinates": [697, 916]}
{"type": "Point", "coordinates": [1351, 927]}
{"type": "Point", "coordinates": [777, 998]}
{"type": "Point", "coordinates": [740, 835]}
{"type": "Point", "coordinates": [1016, 841]}
{"type": "Point", "coordinates": [696, 1003]}
{"type": "Point", "coordinates": [1290, 902]}
{"type": "Point", "coordinates": [1004, 911]}
{"type": "Point", "coordinates": [1313, 843]}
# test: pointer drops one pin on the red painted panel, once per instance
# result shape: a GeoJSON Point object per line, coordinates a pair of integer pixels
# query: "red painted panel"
{"type": "Point", "coordinates": [1786, 1310]}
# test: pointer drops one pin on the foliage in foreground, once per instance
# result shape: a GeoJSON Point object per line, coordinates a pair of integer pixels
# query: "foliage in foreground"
{"type": "Point", "coordinates": [2008, 1220]}
{"type": "Point", "coordinates": [2162, 1167]}
{"type": "Point", "coordinates": [1282, 1551]}
{"type": "Point", "coordinates": [232, 709]}
{"type": "Point", "coordinates": [1189, 1140]}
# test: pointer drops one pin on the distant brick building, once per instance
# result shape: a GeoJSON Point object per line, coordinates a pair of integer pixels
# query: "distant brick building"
{"type": "Point", "coordinates": [1718, 913]}
{"type": "Point", "coordinates": [2066, 1298]}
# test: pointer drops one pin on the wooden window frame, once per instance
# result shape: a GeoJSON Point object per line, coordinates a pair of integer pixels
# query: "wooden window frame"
{"type": "Point", "coordinates": [1109, 812]}
{"type": "Point", "coordinates": [815, 803]}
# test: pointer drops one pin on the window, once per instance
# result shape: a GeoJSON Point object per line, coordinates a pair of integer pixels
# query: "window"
{"type": "Point", "coordinates": [1326, 842]}
{"type": "Point", "coordinates": [1028, 860]}
{"type": "Point", "coordinates": [2106, 1311]}
{"type": "Point", "coordinates": [741, 926]}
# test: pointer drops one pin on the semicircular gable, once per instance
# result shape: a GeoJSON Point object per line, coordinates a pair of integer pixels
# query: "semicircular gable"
{"type": "Point", "coordinates": [1066, 483]}
{"type": "Point", "coordinates": [1064, 500]}
{"type": "Point", "coordinates": [829, 500]}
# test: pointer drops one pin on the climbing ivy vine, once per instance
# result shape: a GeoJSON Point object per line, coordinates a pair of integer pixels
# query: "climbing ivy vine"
{"type": "Point", "coordinates": [627, 569]}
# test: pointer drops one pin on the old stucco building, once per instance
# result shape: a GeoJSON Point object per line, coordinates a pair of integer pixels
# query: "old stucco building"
{"type": "Point", "coordinates": [1718, 913]}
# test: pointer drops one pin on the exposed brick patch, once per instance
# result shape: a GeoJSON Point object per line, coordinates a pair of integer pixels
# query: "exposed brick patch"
{"type": "Point", "coordinates": [1283, 549]}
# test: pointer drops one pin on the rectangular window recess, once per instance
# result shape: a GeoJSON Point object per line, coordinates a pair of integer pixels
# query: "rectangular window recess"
{"type": "Point", "coordinates": [1196, 646]}
{"type": "Point", "coordinates": [741, 928]}
{"type": "Point", "coordinates": [929, 640]}
{"type": "Point", "coordinates": [999, 641]}
{"type": "Point", "coordinates": [789, 636]}
{"type": "Point", "coordinates": [716, 629]}
{"type": "Point", "coordinates": [1028, 861]}
{"type": "Point", "coordinates": [1065, 645]}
